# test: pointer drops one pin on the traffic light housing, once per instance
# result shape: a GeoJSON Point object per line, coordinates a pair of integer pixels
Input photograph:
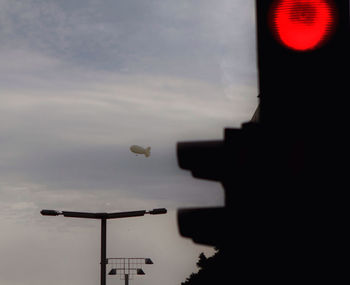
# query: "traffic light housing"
{"type": "Point", "coordinates": [228, 161]}
{"type": "Point", "coordinates": [280, 176]}
{"type": "Point", "coordinates": [204, 225]}
{"type": "Point", "coordinates": [303, 58]}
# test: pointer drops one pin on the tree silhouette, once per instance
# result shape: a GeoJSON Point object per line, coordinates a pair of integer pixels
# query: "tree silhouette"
{"type": "Point", "coordinates": [211, 270]}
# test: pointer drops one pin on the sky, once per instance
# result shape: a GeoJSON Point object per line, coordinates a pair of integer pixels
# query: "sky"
{"type": "Point", "coordinates": [81, 81]}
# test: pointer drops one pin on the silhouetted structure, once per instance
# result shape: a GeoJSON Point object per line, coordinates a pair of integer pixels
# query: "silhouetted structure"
{"type": "Point", "coordinates": [283, 176]}
{"type": "Point", "coordinates": [103, 217]}
{"type": "Point", "coordinates": [126, 267]}
{"type": "Point", "coordinates": [211, 270]}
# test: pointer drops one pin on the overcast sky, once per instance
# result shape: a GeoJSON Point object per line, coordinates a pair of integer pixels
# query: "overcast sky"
{"type": "Point", "coordinates": [81, 81]}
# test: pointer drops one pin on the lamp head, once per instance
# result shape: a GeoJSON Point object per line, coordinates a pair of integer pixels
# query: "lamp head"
{"type": "Point", "coordinates": [50, 213]}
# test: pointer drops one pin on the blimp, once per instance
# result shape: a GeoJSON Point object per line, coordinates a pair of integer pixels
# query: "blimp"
{"type": "Point", "coordinates": [140, 150]}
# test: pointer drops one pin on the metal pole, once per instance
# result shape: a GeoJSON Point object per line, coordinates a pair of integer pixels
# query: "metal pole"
{"type": "Point", "coordinates": [126, 279]}
{"type": "Point", "coordinates": [103, 250]}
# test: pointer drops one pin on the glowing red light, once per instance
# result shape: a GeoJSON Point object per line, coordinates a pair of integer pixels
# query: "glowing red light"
{"type": "Point", "coordinates": [303, 24]}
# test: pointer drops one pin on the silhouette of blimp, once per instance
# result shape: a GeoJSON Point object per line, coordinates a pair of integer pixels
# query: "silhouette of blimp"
{"type": "Point", "coordinates": [140, 150]}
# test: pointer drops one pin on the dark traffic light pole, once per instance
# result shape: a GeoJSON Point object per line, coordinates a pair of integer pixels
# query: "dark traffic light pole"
{"type": "Point", "coordinates": [103, 217]}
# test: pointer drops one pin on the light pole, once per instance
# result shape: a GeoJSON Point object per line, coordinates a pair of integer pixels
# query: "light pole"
{"type": "Point", "coordinates": [103, 217]}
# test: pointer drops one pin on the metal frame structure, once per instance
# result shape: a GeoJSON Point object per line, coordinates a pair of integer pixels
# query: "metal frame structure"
{"type": "Point", "coordinates": [126, 267]}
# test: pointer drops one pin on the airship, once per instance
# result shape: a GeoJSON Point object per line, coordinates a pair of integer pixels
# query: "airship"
{"type": "Point", "coordinates": [140, 150]}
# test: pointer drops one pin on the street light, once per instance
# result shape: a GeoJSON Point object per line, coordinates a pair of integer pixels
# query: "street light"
{"type": "Point", "coordinates": [103, 217]}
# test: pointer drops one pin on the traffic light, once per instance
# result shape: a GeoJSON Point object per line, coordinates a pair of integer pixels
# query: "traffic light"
{"type": "Point", "coordinates": [303, 51]}
{"type": "Point", "coordinates": [283, 177]}
{"type": "Point", "coordinates": [303, 58]}
{"type": "Point", "coordinates": [302, 25]}
{"type": "Point", "coordinates": [229, 161]}
{"type": "Point", "coordinates": [204, 225]}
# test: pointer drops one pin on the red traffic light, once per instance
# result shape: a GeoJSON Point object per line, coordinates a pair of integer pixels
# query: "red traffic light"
{"type": "Point", "coordinates": [303, 25]}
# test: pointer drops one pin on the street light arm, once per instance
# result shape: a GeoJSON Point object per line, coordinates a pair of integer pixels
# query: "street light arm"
{"type": "Point", "coordinates": [70, 214]}
{"type": "Point", "coordinates": [126, 214]}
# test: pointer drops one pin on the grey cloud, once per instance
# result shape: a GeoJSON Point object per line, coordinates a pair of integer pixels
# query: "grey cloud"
{"type": "Point", "coordinates": [115, 170]}
{"type": "Point", "coordinates": [78, 138]}
{"type": "Point", "coordinates": [80, 81]}
{"type": "Point", "coordinates": [174, 37]}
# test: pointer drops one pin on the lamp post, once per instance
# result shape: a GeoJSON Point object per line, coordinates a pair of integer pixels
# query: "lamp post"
{"type": "Point", "coordinates": [103, 217]}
